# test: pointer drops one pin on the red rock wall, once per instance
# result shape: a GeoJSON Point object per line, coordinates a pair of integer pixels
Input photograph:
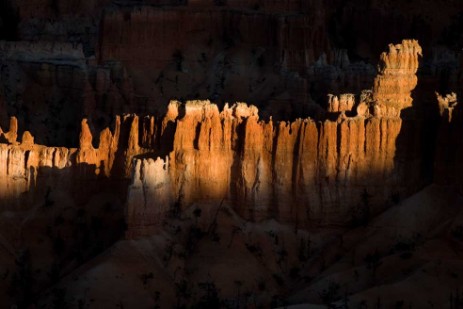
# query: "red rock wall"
{"type": "Point", "coordinates": [305, 171]}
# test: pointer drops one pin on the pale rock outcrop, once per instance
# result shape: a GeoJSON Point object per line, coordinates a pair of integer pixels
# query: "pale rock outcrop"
{"type": "Point", "coordinates": [448, 166]}
{"type": "Point", "coordinates": [86, 154]}
{"type": "Point", "coordinates": [343, 103]}
{"type": "Point", "coordinates": [27, 139]}
{"type": "Point", "coordinates": [447, 104]}
{"type": "Point", "coordinates": [12, 134]}
{"type": "Point", "coordinates": [151, 195]}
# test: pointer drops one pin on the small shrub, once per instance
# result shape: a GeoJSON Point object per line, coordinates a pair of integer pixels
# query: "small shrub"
{"type": "Point", "coordinates": [146, 278]}
{"type": "Point", "coordinates": [457, 232]}
{"type": "Point", "coordinates": [282, 254]}
{"type": "Point", "coordinates": [58, 245]}
{"type": "Point", "coordinates": [59, 220]}
{"type": "Point", "coordinates": [406, 255]}
{"type": "Point", "coordinates": [194, 236]}
{"type": "Point", "coordinates": [210, 297]}
{"type": "Point", "coordinates": [304, 250]}
{"type": "Point", "coordinates": [220, 2]}
{"type": "Point", "coordinates": [183, 292]}
{"type": "Point", "coordinates": [330, 295]}
{"type": "Point", "coordinates": [178, 59]}
{"type": "Point", "coordinates": [260, 61]}
{"type": "Point", "coordinates": [278, 279]}
{"type": "Point", "coordinates": [261, 285]}
{"type": "Point", "coordinates": [373, 260]}
{"type": "Point", "coordinates": [395, 198]}
{"type": "Point", "coordinates": [294, 272]}
{"type": "Point", "coordinates": [255, 249]}
{"type": "Point", "coordinates": [48, 202]}
{"type": "Point", "coordinates": [59, 298]}
{"type": "Point", "coordinates": [197, 213]}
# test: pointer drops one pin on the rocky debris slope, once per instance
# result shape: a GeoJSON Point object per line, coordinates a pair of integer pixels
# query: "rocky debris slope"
{"type": "Point", "coordinates": [210, 257]}
{"type": "Point", "coordinates": [410, 254]}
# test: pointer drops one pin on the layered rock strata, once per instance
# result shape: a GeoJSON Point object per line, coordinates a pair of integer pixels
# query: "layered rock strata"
{"type": "Point", "coordinates": [397, 78]}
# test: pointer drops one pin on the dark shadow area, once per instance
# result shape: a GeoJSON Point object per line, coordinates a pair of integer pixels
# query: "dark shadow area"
{"type": "Point", "coordinates": [63, 221]}
{"type": "Point", "coordinates": [347, 29]}
{"type": "Point", "coordinates": [46, 104]}
{"type": "Point", "coordinates": [9, 21]}
{"type": "Point", "coordinates": [414, 160]}
{"type": "Point", "coordinates": [448, 167]}
{"type": "Point", "coordinates": [236, 186]}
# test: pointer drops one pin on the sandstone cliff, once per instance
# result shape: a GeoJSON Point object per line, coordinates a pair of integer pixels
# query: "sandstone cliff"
{"type": "Point", "coordinates": [305, 172]}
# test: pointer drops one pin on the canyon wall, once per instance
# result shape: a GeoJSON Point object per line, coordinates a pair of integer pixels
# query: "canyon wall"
{"type": "Point", "coordinates": [359, 158]}
{"type": "Point", "coordinates": [304, 172]}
